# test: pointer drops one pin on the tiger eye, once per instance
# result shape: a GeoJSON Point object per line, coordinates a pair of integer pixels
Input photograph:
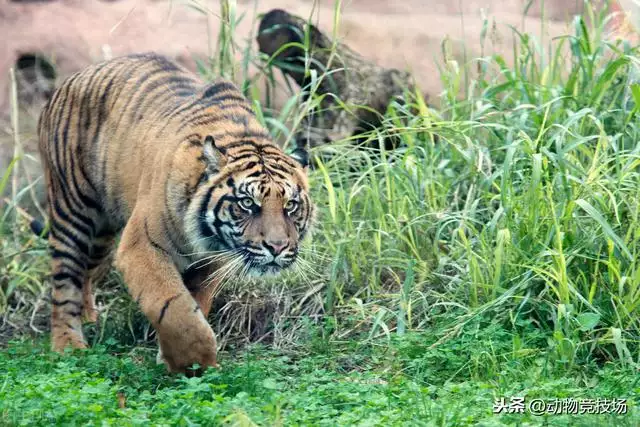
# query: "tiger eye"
{"type": "Point", "coordinates": [291, 206]}
{"type": "Point", "coordinates": [247, 203]}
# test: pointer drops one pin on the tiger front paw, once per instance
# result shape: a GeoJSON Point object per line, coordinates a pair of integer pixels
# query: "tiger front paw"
{"type": "Point", "coordinates": [180, 355]}
{"type": "Point", "coordinates": [185, 339]}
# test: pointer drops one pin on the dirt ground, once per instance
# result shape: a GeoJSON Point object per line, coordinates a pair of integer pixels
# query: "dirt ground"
{"type": "Point", "coordinates": [405, 34]}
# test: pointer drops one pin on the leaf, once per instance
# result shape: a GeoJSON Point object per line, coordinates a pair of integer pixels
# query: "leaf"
{"type": "Point", "coordinates": [588, 321]}
{"type": "Point", "coordinates": [593, 213]}
{"type": "Point", "coordinates": [606, 79]}
{"type": "Point", "coordinates": [270, 384]}
{"type": "Point", "coordinates": [635, 92]}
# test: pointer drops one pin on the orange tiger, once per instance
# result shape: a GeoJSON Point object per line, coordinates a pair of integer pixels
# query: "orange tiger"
{"type": "Point", "coordinates": [188, 174]}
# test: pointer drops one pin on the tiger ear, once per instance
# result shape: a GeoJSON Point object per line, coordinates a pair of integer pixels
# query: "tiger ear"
{"type": "Point", "coordinates": [301, 155]}
{"type": "Point", "coordinates": [213, 156]}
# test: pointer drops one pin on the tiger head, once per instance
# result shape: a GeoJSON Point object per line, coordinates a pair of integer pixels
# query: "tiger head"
{"type": "Point", "coordinates": [253, 207]}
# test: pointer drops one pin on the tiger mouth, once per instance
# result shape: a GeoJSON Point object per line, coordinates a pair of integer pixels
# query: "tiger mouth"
{"type": "Point", "coordinates": [257, 265]}
{"type": "Point", "coordinates": [271, 264]}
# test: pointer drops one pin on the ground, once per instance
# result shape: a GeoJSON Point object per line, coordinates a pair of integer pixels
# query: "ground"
{"type": "Point", "coordinates": [402, 381]}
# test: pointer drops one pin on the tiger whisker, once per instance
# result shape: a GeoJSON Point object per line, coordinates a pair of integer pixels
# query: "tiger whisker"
{"type": "Point", "coordinates": [314, 254]}
{"type": "Point", "coordinates": [218, 255]}
{"type": "Point", "coordinates": [225, 272]}
{"type": "Point", "coordinates": [222, 271]}
{"type": "Point", "coordinates": [299, 270]}
{"type": "Point", "coordinates": [245, 271]}
{"type": "Point", "coordinates": [202, 252]}
{"type": "Point", "coordinates": [309, 267]}
{"type": "Point", "coordinates": [230, 273]}
{"type": "Point", "coordinates": [210, 260]}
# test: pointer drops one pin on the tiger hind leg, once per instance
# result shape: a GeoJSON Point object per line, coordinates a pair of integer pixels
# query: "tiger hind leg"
{"type": "Point", "coordinates": [69, 274]}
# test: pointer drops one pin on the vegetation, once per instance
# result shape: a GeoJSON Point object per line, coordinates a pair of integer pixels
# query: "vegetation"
{"type": "Point", "coordinates": [494, 253]}
{"type": "Point", "coordinates": [405, 381]}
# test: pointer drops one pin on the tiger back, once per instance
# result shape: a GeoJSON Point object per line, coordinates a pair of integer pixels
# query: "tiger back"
{"type": "Point", "coordinates": [184, 170]}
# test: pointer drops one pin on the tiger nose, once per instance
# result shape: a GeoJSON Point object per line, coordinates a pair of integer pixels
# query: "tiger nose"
{"type": "Point", "coordinates": [275, 246]}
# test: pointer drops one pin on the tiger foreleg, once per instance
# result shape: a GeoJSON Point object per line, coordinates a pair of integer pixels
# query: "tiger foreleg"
{"type": "Point", "coordinates": [184, 335]}
{"type": "Point", "coordinates": [203, 290]}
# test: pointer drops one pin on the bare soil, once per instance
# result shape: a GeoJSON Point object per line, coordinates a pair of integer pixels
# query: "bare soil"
{"type": "Point", "coordinates": [405, 34]}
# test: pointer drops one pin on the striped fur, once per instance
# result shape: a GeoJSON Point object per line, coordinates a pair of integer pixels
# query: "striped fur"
{"type": "Point", "coordinates": [185, 171]}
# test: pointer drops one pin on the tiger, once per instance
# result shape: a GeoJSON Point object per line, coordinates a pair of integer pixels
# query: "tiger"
{"type": "Point", "coordinates": [187, 177]}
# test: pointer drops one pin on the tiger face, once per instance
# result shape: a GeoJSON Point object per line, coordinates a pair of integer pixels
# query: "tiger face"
{"type": "Point", "coordinates": [254, 209]}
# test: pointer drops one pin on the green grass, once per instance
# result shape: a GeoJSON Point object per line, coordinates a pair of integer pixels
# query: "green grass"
{"type": "Point", "coordinates": [495, 253]}
{"type": "Point", "coordinates": [405, 381]}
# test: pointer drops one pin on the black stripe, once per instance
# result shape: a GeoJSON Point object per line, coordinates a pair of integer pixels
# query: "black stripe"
{"type": "Point", "coordinates": [172, 97]}
{"type": "Point", "coordinates": [168, 211]}
{"type": "Point", "coordinates": [234, 158]}
{"type": "Point", "coordinates": [97, 98]}
{"type": "Point", "coordinates": [86, 201]}
{"type": "Point", "coordinates": [59, 253]}
{"type": "Point", "coordinates": [81, 227]}
{"type": "Point", "coordinates": [62, 276]}
{"type": "Point", "coordinates": [85, 116]}
{"type": "Point", "coordinates": [180, 97]}
{"type": "Point", "coordinates": [64, 144]}
{"type": "Point", "coordinates": [277, 173]}
{"type": "Point", "coordinates": [193, 139]}
{"type": "Point", "coordinates": [248, 150]}
{"type": "Point", "coordinates": [63, 236]}
{"type": "Point", "coordinates": [256, 173]}
{"type": "Point", "coordinates": [168, 231]}
{"type": "Point", "coordinates": [242, 143]}
{"type": "Point", "coordinates": [68, 325]}
{"type": "Point", "coordinates": [205, 230]}
{"type": "Point", "coordinates": [217, 87]}
{"type": "Point", "coordinates": [71, 269]}
{"type": "Point", "coordinates": [167, 83]}
{"type": "Point", "coordinates": [153, 243]}
{"type": "Point", "coordinates": [86, 223]}
{"type": "Point", "coordinates": [218, 223]}
{"type": "Point", "coordinates": [165, 306]}
{"type": "Point", "coordinates": [287, 160]}
{"type": "Point", "coordinates": [277, 166]}
{"type": "Point", "coordinates": [60, 148]}
{"type": "Point", "coordinates": [67, 239]}
{"type": "Point", "coordinates": [200, 102]}
{"type": "Point", "coordinates": [65, 302]}
{"type": "Point", "coordinates": [223, 105]}
{"type": "Point", "coordinates": [209, 118]}
{"type": "Point", "coordinates": [55, 149]}
{"type": "Point", "coordinates": [242, 120]}
{"type": "Point", "coordinates": [138, 91]}
{"type": "Point", "coordinates": [102, 111]}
